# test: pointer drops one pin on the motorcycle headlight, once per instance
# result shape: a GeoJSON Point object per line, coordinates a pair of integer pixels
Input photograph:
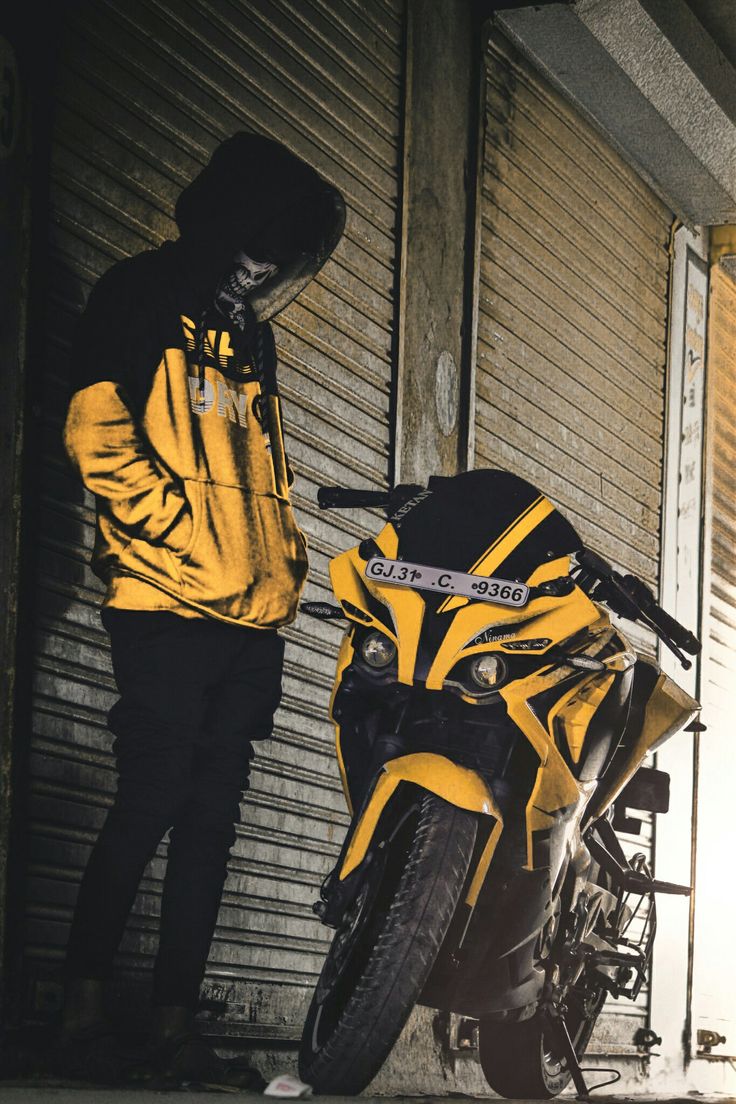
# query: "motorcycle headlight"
{"type": "Point", "coordinates": [487, 671]}
{"type": "Point", "coordinates": [377, 650]}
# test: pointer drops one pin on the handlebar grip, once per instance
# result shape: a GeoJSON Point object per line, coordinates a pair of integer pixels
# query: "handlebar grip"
{"type": "Point", "coordinates": [344, 497]}
{"type": "Point", "coordinates": [682, 637]}
{"type": "Point", "coordinates": [594, 563]}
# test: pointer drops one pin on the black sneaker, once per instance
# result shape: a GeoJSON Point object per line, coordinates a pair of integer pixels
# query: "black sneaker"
{"type": "Point", "coordinates": [95, 1055]}
{"type": "Point", "coordinates": [190, 1059]}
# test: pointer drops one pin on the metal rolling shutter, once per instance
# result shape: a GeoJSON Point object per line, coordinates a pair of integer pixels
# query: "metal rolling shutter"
{"type": "Point", "coordinates": [146, 91]}
{"type": "Point", "coordinates": [571, 339]}
{"type": "Point", "coordinates": [573, 305]}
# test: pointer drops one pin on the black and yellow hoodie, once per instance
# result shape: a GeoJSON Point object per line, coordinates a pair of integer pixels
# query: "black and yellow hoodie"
{"type": "Point", "coordinates": [175, 419]}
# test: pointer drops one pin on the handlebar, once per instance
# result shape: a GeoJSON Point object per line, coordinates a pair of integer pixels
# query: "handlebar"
{"type": "Point", "coordinates": [343, 498]}
{"type": "Point", "coordinates": [659, 617]}
{"type": "Point", "coordinates": [629, 597]}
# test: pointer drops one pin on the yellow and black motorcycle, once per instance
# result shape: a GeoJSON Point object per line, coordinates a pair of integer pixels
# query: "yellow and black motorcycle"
{"type": "Point", "coordinates": [491, 726]}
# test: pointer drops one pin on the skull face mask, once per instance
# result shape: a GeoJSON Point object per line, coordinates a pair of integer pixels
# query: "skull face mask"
{"type": "Point", "coordinates": [235, 287]}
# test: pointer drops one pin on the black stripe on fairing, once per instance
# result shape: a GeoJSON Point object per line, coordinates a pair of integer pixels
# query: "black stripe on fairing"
{"type": "Point", "coordinates": [454, 526]}
{"type": "Point", "coordinates": [377, 608]}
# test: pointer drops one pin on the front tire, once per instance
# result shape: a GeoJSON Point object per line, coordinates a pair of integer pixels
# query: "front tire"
{"type": "Point", "coordinates": [377, 965]}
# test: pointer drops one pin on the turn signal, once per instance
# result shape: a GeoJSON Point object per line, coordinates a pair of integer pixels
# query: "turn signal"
{"type": "Point", "coordinates": [378, 650]}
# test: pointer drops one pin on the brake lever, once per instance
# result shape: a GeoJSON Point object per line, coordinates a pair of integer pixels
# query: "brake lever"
{"type": "Point", "coordinates": [626, 605]}
{"type": "Point", "coordinates": [668, 643]}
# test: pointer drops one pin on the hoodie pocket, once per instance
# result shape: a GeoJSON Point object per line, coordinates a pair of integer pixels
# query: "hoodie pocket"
{"type": "Point", "coordinates": [246, 559]}
{"type": "Point", "coordinates": [158, 562]}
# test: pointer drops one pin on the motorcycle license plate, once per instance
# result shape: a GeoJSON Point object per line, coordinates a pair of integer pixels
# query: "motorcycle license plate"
{"type": "Point", "coordinates": [503, 592]}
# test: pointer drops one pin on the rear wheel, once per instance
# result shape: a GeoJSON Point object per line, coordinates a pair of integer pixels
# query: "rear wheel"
{"type": "Point", "coordinates": [524, 1060]}
{"type": "Point", "coordinates": [382, 953]}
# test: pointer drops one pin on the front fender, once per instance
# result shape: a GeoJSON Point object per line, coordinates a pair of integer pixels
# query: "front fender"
{"type": "Point", "coordinates": [456, 785]}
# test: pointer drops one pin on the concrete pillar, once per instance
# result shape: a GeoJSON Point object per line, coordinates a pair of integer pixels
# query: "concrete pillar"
{"type": "Point", "coordinates": [439, 233]}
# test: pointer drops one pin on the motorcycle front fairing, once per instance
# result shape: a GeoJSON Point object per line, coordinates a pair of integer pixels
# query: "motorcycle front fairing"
{"type": "Point", "coordinates": [487, 523]}
{"type": "Point", "coordinates": [530, 754]}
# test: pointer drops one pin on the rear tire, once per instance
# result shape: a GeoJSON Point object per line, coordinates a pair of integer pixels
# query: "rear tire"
{"type": "Point", "coordinates": [365, 994]}
{"type": "Point", "coordinates": [520, 1061]}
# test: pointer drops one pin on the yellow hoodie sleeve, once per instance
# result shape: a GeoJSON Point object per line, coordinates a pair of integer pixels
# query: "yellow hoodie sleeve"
{"type": "Point", "coordinates": [114, 354]}
{"type": "Point", "coordinates": [111, 454]}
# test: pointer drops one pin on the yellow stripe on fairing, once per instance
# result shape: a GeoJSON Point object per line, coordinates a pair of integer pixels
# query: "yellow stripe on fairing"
{"type": "Point", "coordinates": [406, 607]}
{"type": "Point", "coordinates": [504, 545]}
{"type": "Point", "coordinates": [388, 541]}
{"type": "Point", "coordinates": [483, 864]}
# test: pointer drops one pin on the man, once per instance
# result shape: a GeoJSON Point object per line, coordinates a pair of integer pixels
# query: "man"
{"type": "Point", "coordinates": [175, 426]}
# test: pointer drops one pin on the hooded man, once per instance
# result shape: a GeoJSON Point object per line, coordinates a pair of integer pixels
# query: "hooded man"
{"type": "Point", "coordinates": [175, 427]}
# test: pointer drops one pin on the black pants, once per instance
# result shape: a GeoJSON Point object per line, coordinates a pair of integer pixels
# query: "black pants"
{"type": "Point", "coordinates": [194, 694]}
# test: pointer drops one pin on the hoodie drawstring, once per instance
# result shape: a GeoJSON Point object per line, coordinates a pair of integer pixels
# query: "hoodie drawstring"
{"type": "Point", "coordinates": [258, 368]}
{"type": "Point", "coordinates": [200, 340]}
{"type": "Point", "coordinates": [250, 344]}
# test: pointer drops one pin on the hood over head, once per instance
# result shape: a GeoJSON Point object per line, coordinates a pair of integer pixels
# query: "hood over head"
{"type": "Point", "coordinates": [257, 197]}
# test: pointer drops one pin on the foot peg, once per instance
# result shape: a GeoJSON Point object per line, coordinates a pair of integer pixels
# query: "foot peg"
{"type": "Point", "coordinates": [633, 881]}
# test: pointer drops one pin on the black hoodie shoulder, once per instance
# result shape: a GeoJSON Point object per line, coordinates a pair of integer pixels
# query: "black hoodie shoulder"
{"type": "Point", "coordinates": [129, 319]}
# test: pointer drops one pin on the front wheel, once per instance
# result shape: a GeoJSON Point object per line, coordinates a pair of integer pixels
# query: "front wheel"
{"type": "Point", "coordinates": [381, 955]}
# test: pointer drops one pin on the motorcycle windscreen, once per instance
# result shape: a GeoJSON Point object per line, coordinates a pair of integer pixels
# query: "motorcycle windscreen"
{"type": "Point", "coordinates": [488, 522]}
